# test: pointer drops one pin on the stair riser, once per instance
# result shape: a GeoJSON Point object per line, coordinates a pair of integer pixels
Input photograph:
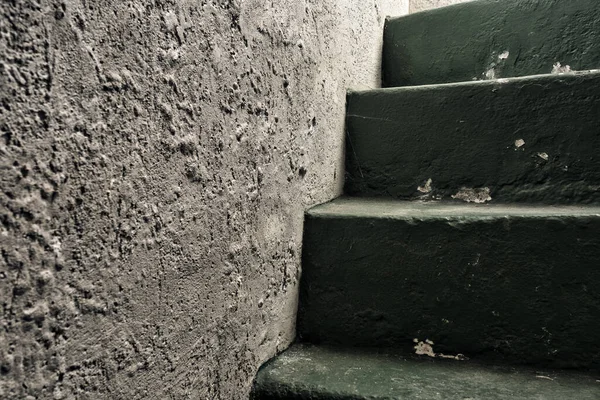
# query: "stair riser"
{"type": "Point", "coordinates": [467, 41]}
{"type": "Point", "coordinates": [523, 289]}
{"type": "Point", "coordinates": [528, 140]}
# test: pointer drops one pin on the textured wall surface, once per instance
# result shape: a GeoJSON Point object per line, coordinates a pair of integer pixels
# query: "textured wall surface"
{"type": "Point", "coordinates": [422, 5]}
{"type": "Point", "coordinates": [156, 159]}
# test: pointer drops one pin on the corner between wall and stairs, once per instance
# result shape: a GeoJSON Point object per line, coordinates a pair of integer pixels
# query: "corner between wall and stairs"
{"type": "Point", "coordinates": [463, 261]}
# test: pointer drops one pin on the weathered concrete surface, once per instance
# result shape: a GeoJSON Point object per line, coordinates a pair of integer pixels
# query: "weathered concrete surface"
{"type": "Point", "coordinates": [156, 158]}
{"type": "Point", "coordinates": [491, 38]}
{"type": "Point", "coordinates": [533, 139]}
{"type": "Point", "coordinates": [497, 283]}
{"type": "Point", "coordinates": [321, 373]}
{"type": "Point", "coordinates": [422, 5]}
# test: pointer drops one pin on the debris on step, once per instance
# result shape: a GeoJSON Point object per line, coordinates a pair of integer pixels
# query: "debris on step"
{"type": "Point", "coordinates": [426, 349]}
{"type": "Point", "coordinates": [426, 188]}
{"type": "Point", "coordinates": [471, 195]}
{"type": "Point", "coordinates": [558, 68]}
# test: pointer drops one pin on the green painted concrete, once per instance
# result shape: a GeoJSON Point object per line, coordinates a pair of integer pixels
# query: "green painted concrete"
{"type": "Point", "coordinates": [469, 135]}
{"type": "Point", "coordinates": [320, 373]}
{"type": "Point", "coordinates": [464, 41]}
{"type": "Point", "coordinates": [497, 283]}
{"type": "Point", "coordinates": [473, 288]}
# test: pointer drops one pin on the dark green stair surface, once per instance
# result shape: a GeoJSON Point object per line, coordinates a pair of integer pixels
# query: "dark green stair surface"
{"type": "Point", "coordinates": [510, 283]}
{"type": "Point", "coordinates": [509, 37]}
{"type": "Point", "coordinates": [318, 373]}
{"type": "Point", "coordinates": [528, 139]}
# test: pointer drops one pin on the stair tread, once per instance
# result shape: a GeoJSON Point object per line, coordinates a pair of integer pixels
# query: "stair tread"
{"type": "Point", "coordinates": [403, 209]}
{"type": "Point", "coordinates": [320, 373]}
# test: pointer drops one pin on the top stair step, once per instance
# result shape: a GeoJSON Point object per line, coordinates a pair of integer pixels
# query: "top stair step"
{"type": "Point", "coordinates": [491, 39]}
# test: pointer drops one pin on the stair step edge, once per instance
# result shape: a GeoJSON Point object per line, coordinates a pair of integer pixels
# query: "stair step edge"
{"type": "Point", "coordinates": [322, 373]}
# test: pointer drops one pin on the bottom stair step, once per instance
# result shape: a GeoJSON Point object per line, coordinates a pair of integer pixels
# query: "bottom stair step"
{"type": "Point", "coordinates": [321, 373]}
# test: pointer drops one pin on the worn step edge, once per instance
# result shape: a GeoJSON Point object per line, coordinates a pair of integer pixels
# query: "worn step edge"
{"type": "Point", "coordinates": [353, 207]}
{"type": "Point", "coordinates": [322, 373]}
{"type": "Point", "coordinates": [490, 38]}
{"type": "Point", "coordinates": [488, 82]}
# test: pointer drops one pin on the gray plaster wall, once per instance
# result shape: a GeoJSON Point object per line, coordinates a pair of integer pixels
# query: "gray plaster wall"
{"type": "Point", "coordinates": [156, 160]}
{"type": "Point", "coordinates": [422, 5]}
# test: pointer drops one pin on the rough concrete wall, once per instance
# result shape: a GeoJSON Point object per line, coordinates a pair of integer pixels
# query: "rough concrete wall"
{"type": "Point", "coordinates": [156, 160]}
{"type": "Point", "coordinates": [422, 5]}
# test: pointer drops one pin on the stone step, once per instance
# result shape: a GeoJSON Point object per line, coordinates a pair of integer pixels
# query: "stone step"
{"type": "Point", "coordinates": [321, 373]}
{"type": "Point", "coordinates": [519, 284]}
{"type": "Point", "coordinates": [527, 139]}
{"type": "Point", "coordinates": [491, 38]}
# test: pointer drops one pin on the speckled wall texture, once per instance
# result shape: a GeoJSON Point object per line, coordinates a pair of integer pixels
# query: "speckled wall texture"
{"type": "Point", "coordinates": [156, 158]}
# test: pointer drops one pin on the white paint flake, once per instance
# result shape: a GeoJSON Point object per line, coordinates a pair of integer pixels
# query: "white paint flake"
{"type": "Point", "coordinates": [493, 72]}
{"type": "Point", "coordinates": [473, 195]}
{"type": "Point", "coordinates": [426, 349]}
{"type": "Point", "coordinates": [543, 156]}
{"type": "Point", "coordinates": [519, 143]}
{"type": "Point", "coordinates": [426, 188]}
{"type": "Point", "coordinates": [558, 68]}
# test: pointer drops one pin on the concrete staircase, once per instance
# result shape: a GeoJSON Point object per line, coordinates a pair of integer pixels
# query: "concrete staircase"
{"type": "Point", "coordinates": [464, 262]}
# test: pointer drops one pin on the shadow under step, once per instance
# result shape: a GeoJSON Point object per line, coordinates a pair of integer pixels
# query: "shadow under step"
{"type": "Point", "coordinates": [514, 283]}
{"type": "Point", "coordinates": [320, 373]}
